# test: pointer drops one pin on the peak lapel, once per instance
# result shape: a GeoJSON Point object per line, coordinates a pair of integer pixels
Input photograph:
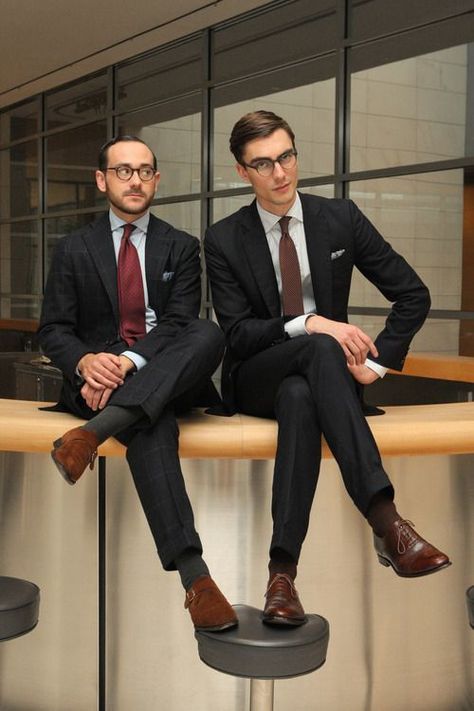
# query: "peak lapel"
{"type": "Point", "coordinates": [100, 245]}
{"type": "Point", "coordinates": [157, 250]}
{"type": "Point", "coordinates": [319, 253]}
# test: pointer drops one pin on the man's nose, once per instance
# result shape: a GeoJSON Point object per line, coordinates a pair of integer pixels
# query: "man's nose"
{"type": "Point", "coordinates": [278, 171]}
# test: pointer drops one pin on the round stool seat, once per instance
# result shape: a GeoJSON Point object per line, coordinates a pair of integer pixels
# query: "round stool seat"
{"type": "Point", "coordinates": [470, 605]}
{"type": "Point", "coordinates": [258, 651]}
{"type": "Point", "coordinates": [19, 607]}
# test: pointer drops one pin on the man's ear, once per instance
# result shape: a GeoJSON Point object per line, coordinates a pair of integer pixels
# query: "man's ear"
{"type": "Point", "coordinates": [100, 181]}
{"type": "Point", "coordinates": [242, 171]}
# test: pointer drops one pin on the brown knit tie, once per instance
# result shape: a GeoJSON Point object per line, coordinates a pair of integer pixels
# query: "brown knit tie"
{"type": "Point", "coordinates": [130, 290]}
{"type": "Point", "coordinates": [292, 293]}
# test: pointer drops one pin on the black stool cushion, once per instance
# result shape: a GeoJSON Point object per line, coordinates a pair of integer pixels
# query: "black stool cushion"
{"type": "Point", "coordinates": [470, 605]}
{"type": "Point", "coordinates": [19, 607]}
{"type": "Point", "coordinates": [259, 651]}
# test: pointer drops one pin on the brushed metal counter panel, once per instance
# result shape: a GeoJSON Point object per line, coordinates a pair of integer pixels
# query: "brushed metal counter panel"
{"type": "Point", "coordinates": [48, 535]}
{"type": "Point", "coordinates": [396, 644]}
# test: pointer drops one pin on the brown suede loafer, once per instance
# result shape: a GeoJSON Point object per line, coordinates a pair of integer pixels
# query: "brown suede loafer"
{"type": "Point", "coordinates": [282, 606]}
{"type": "Point", "coordinates": [408, 553]}
{"type": "Point", "coordinates": [208, 607]}
{"type": "Point", "coordinates": [73, 452]}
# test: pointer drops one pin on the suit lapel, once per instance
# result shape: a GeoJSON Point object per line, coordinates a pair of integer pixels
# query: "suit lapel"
{"type": "Point", "coordinates": [259, 258]}
{"type": "Point", "coordinates": [319, 253]}
{"type": "Point", "coordinates": [157, 249]}
{"type": "Point", "coordinates": [100, 245]}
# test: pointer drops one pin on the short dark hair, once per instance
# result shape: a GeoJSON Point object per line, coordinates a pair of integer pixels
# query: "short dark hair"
{"type": "Point", "coordinates": [103, 153]}
{"type": "Point", "coordinates": [256, 124]}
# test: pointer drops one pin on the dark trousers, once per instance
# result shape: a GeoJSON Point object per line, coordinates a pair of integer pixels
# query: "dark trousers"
{"type": "Point", "coordinates": [170, 382]}
{"type": "Point", "coordinates": [304, 383]}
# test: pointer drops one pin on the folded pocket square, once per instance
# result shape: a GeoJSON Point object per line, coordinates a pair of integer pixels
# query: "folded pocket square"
{"type": "Point", "coordinates": [336, 255]}
{"type": "Point", "coordinates": [167, 276]}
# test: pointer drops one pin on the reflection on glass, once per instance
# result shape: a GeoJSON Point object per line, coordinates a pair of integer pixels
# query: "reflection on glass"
{"type": "Point", "coordinates": [174, 135]}
{"type": "Point", "coordinates": [71, 165]}
{"type": "Point", "coordinates": [184, 216]}
{"type": "Point", "coordinates": [19, 180]}
{"type": "Point", "coordinates": [59, 227]}
{"type": "Point", "coordinates": [20, 264]}
{"type": "Point", "coordinates": [20, 122]}
{"type": "Point", "coordinates": [308, 109]}
{"type": "Point", "coordinates": [422, 218]}
{"type": "Point", "coordinates": [83, 101]}
{"type": "Point", "coordinates": [163, 74]}
{"type": "Point", "coordinates": [411, 111]}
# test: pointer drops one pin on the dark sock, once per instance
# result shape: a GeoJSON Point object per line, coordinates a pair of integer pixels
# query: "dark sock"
{"type": "Point", "coordinates": [282, 562]}
{"type": "Point", "coordinates": [191, 565]}
{"type": "Point", "coordinates": [382, 513]}
{"type": "Point", "coordinates": [111, 420]}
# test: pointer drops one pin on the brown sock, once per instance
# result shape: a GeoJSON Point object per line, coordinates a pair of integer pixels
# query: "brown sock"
{"type": "Point", "coordinates": [382, 513]}
{"type": "Point", "coordinates": [282, 562]}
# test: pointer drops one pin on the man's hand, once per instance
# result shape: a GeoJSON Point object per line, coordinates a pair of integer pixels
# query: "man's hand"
{"type": "Point", "coordinates": [363, 374]}
{"type": "Point", "coordinates": [354, 342]}
{"type": "Point", "coordinates": [126, 365]}
{"type": "Point", "coordinates": [101, 370]}
{"type": "Point", "coordinates": [96, 398]}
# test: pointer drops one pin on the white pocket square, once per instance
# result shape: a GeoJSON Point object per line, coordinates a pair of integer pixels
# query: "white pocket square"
{"type": "Point", "coordinates": [167, 276]}
{"type": "Point", "coordinates": [336, 255]}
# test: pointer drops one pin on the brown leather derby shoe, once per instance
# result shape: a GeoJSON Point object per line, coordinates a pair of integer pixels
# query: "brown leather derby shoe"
{"type": "Point", "coordinates": [282, 606]}
{"type": "Point", "coordinates": [73, 452]}
{"type": "Point", "coordinates": [208, 607]}
{"type": "Point", "coordinates": [407, 552]}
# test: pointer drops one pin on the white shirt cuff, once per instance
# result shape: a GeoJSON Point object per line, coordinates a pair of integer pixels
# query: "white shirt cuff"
{"type": "Point", "coordinates": [297, 327]}
{"type": "Point", "coordinates": [376, 367]}
{"type": "Point", "coordinates": [138, 360]}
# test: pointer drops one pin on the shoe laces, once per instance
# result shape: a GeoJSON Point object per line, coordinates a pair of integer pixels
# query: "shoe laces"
{"type": "Point", "coordinates": [279, 581]}
{"type": "Point", "coordinates": [406, 536]}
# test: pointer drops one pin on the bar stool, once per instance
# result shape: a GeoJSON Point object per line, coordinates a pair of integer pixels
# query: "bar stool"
{"type": "Point", "coordinates": [19, 607]}
{"type": "Point", "coordinates": [263, 653]}
{"type": "Point", "coordinates": [470, 605]}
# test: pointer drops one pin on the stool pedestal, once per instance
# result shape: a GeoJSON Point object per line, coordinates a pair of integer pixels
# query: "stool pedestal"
{"type": "Point", "coordinates": [263, 653]}
{"type": "Point", "coordinates": [19, 607]}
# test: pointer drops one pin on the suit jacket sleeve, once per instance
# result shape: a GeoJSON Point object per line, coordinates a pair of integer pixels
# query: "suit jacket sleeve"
{"type": "Point", "coordinates": [398, 282]}
{"type": "Point", "coordinates": [246, 331]}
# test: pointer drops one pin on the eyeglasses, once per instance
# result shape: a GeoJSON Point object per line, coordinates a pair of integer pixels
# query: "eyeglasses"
{"type": "Point", "coordinates": [125, 172]}
{"type": "Point", "coordinates": [266, 166]}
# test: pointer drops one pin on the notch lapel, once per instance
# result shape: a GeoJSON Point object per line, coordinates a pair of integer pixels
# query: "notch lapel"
{"type": "Point", "coordinates": [100, 246]}
{"type": "Point", "coordinates": [259, 259]}
{"type": "Point", "coordinates": [157, 249]}
{"type": "Point", "coordinates": [319, 253]}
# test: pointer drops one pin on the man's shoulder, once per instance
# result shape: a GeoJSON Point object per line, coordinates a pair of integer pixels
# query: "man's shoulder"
{"type": "Point", "coordinates": [239, 217]}
{"type": "Point", "coordinates": [161, 227]}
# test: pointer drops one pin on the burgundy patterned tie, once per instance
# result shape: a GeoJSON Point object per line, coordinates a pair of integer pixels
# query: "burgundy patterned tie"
{"type": "Point", "coordinates": [130, 290]}
{"type": "Point", "coordinates": [292, 292]}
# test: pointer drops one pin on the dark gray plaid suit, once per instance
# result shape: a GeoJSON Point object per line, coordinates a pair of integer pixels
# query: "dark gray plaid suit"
{"type": "Point", "coordinates": [80, 315]}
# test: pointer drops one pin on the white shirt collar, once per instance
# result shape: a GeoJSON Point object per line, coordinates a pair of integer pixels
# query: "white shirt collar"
{"type": "Point", "coordinates": [270, 220]}
{"type": "Point", "coordinates": [141, 223]}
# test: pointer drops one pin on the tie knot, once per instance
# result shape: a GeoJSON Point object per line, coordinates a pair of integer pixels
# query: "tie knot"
{"type": "Point", "coordinates": [127, 230]}
{"type": "Point", "coordinates": [284, 221]}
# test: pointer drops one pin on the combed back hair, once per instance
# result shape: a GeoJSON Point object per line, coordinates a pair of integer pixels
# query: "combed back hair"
{"type": "Point", "coordinates": [256, 124]}
{"type": "Point", "coordinates": [104, 151]}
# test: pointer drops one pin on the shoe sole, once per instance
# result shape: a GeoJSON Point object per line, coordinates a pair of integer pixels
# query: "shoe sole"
{"type": "Point", "coordinates": [218, 628]}
{"type": "Point", "coordinates": [284, 621]}
{"type": "Point", "coordinates": [60, 467]}
{"type": "Point", "coordinates": [388, 564]}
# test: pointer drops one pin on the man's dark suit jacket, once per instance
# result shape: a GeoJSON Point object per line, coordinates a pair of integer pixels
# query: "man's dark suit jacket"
{"type": "Point", "coordinates": [80, 309]}
{"type": "Point", "coordinates": [338, 238]}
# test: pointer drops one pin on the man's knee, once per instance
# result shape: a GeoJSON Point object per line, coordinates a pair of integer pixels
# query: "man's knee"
{"type": "Point", "coordinates": [207, 335]}
{"type": "Point", "coordinates": [294, 396]}
{"type": "Point", "coordinates": [325, 347]}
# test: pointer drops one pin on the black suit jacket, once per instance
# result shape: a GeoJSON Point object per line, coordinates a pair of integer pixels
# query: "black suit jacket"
{"type": "Point", "coordinates": [338, 238]}
{"type": "Point", "coordinates": [80, 309]}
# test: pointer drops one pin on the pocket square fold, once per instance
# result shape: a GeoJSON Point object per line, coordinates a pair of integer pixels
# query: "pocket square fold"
{"type": "Point", "coordinates": [336, 255]}
{"type": "Point", "coordinates": [167, 276]}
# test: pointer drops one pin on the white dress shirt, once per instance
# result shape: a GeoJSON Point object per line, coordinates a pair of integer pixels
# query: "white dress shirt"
{"type": "Point", "coordinates": [271, 226]}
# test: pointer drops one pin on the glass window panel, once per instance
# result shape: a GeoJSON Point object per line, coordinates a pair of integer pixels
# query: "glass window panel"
{"type": "Point", "coordinates": [19, 194]}
{"type": "Point", "coordinates": [274, 37]}
{"type": "Point", "coordinates": [19, 122]}
{"type": "Point", "coordinates": [20, 269]}
{"type": "Point", "coordinates": [163, 74]}
{"type": "Point", "coordinates": [57, 227]}
{"type": "Point", "coordinates": [370, 18]}
{"type": "Point", "coordinates": [182, 215]}
{"type": "Point", "coordinates": [422, 216]}
{"type": "Point", "coordinates": [71, 165]}
{"type": "Point", "coordinates": [83, 101]}
{"type": "Point", "coordinates": [308, 108]}
{"type": "Point", "coordinates": [173, 132]}
{"type": "Point", "coordinates": [411, 111]}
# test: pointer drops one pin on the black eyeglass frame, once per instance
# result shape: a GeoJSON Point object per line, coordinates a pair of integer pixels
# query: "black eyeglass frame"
{"type": "Point", "coordinates": [138, 171]}
{"type": "Point", "coordinates": [286, 154]}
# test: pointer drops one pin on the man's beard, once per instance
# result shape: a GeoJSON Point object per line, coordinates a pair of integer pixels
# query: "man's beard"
{"type": "Point", "coordinates": [131, 210]}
